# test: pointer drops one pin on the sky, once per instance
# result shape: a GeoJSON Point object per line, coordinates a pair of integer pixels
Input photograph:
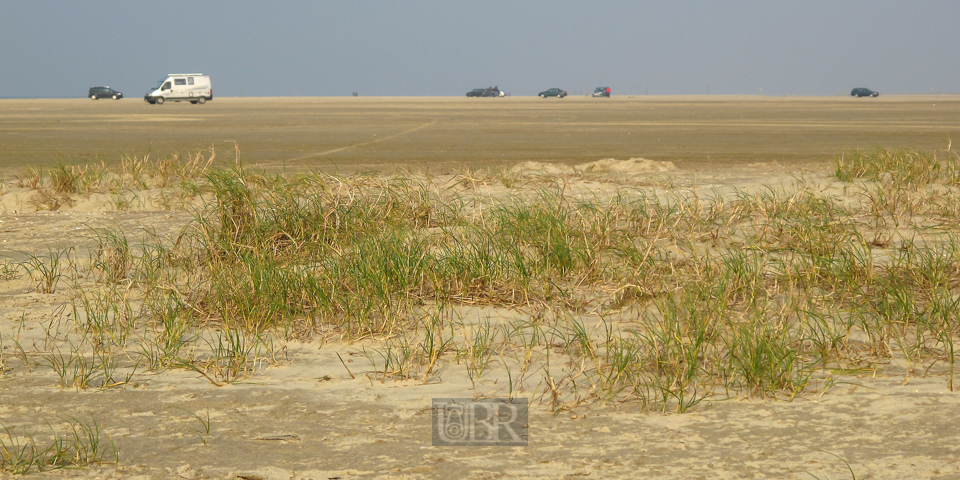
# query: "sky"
{"type": "Point", "coordinates": [446, 48]}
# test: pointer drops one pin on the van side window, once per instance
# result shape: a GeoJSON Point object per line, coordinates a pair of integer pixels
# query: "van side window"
{"type": "Point", "coordinates": [179, 81]}
{"type": "Point", "coordinates": [189, 80]}
{"type": "Point", "coordinates": [166, 86]}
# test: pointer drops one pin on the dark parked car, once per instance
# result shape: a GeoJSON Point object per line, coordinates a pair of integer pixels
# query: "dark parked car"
{"type": "Point", "coordinates": [863, 92]}
{"type": "Point", "coordinates": [601, 92]}
{"type": "Point", "coordinates": [553, 92]}
{"type": "Point", "coordinates": [97, 93]}
{"type": "Point", "coordinates": [486, 92]}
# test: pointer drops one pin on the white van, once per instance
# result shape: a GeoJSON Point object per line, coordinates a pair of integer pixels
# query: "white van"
{"type": "Point", "coordinates": [177, 87]}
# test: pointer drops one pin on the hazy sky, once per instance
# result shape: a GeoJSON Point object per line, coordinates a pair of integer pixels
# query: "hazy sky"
{"type": "Point", "coordinates": [444, 47]}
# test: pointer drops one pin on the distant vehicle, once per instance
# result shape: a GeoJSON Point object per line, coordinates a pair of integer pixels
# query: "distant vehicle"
{"type": "Point", "coordinates": [178, 87]}
{"type": "Point", "coordinates": [486, 92]}
{"type": "Point", "coordinates": [553, 92]}
{"type": "Point", "coordinates": [863, 92]}
{"type": "Point", "coordinates": [601, 92]}
{"type": "Point", "coordinates": [97, 93]}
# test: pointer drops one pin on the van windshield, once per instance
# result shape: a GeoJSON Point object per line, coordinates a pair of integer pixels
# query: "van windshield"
{"type": "Point", "coordinates": [159, 83]}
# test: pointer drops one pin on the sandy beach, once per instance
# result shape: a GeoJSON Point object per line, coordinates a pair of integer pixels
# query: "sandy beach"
{"type": "Point", "coordinates": [315, 399]}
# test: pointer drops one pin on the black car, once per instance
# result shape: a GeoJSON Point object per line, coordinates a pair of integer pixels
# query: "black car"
{"type": "Point", "coordinates": [863, 92]}
{"type": "Point", "coordinates": [486, 92]}
{"type": "Point", "coordinates": [601, 92]}
{"type": "Point", "coordinates": [97, 93]}
{"type": "Point", "coordinates": [553, 92]}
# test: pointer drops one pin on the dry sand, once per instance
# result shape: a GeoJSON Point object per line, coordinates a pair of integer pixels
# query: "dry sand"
{"type": "Point", "coordinates": [306, 418]}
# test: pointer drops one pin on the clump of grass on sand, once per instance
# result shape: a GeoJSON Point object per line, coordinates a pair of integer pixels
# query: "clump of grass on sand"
{"type": "Point", "coordinates": [651, 295]}
{"type": "Point", "coordinates": [78, 443]}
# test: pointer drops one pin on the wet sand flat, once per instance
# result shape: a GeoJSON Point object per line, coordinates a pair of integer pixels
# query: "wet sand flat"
{"type": "Point", "coordinates": [446, 133]}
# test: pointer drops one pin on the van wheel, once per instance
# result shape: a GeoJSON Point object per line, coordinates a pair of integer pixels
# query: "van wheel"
{"type": "Point", "coordinates": [93, 97]}
{"type": "Point", "coordinates": [194, 102]}
{"type": "Point", "coordinates": [159, 100]}
{"type": "Point", "coordinates": [202, 100]}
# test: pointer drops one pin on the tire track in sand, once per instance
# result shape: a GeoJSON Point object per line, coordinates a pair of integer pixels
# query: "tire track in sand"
{"type": "Point", "coordinates": [363, 144]}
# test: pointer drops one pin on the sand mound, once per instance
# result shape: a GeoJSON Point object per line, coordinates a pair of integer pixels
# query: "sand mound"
{"type": "Point", "coordinates": [25, 200]}
{"type": "Point", "coordinates": [605, 167]}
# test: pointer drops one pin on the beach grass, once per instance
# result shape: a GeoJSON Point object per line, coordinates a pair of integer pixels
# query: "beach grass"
{"type": "Point", "coordinates": [657, 295]}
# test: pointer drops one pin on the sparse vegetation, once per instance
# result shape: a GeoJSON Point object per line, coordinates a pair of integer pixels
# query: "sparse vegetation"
{"type": "Point", "coordinates": [653, 295]}
{"type": "Point", "coordinates": [78, 443]}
